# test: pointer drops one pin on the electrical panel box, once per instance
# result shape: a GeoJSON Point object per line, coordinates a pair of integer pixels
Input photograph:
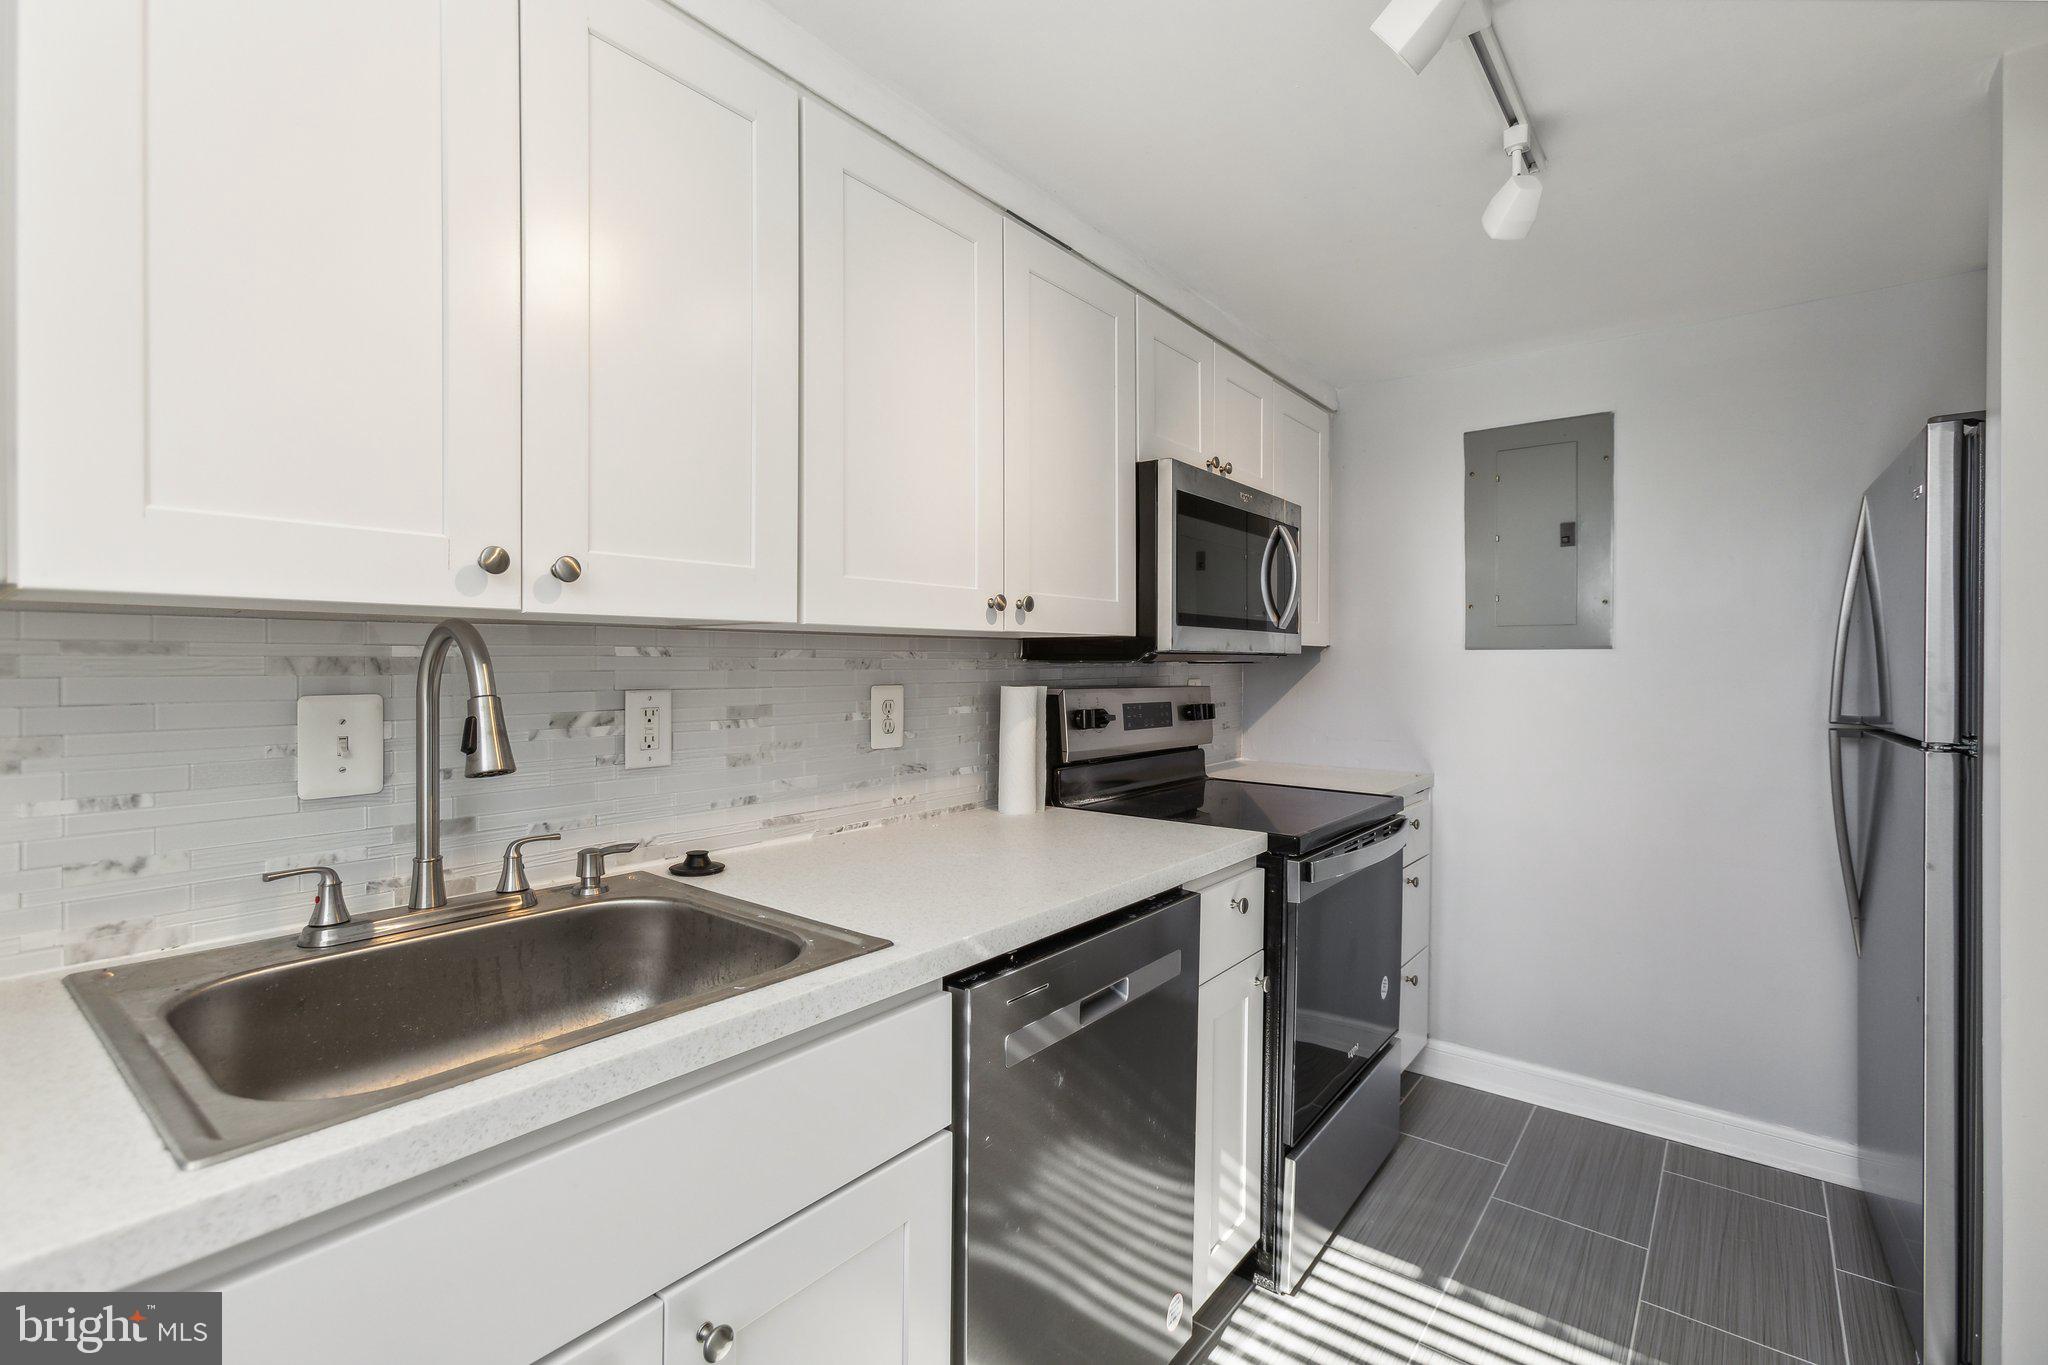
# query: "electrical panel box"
{"type": "Point", "coordinates": [1539, 535]}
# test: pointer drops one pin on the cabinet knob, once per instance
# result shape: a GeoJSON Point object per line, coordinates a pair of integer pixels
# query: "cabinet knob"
{"type": "Point", "coordinates": [1241, 904]}
{"type": "Point", "coordinates": [1025, 603]}
{"type": "Point", "coordinates": [1415, 882]}
{"type": "Point", "coordinates": [998, 602]}
{"type": "Point", "coordinates": [568, 568]}
{"type": "Point", "coordinates": [1415, 824]}
{"type": "Point", "coordinates": [1412, 980]}
{"type": "Point", "coordinates": [495, 559]}
{"type": "Point", "coordinates": [1229, 468]}
{"type": "Point", "coordinates": [716, 1341]}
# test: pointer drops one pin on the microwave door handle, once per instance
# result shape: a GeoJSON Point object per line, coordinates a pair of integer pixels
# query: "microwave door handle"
{"type": "Point", "coordinates": [1293, 608]}
{"type": "Point", "coordinates": [1266, 578]}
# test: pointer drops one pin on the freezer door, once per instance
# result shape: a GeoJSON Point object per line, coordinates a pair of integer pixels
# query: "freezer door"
{"type": "Point", "coordinates": [1903, 804]}
{"type": "Point", "coordinates": [1896, 644]}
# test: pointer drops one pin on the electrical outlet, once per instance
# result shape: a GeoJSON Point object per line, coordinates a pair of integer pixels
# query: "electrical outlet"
{"type": "Point", "coordinates": [646, 725]}
{"type": "Point", "coordinates": [885, 716]}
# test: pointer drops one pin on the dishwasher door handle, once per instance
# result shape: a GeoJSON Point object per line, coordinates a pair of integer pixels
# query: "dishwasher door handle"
{"type": "Point", "coordinates": [1058, 1025]}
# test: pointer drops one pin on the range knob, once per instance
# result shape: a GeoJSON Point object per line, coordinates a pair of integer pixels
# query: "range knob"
{"type": "Point", "coordinates": [1198, 710]}
{"type": "Point", "coordinates": [1088, 718]}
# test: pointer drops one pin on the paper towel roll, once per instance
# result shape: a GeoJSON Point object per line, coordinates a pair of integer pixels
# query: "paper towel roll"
{"type": "Point", "coordinates": [1020, 751]}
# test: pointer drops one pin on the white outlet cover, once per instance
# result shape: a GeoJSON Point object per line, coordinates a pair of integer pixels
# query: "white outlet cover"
{"type": "Point", "coordinates": [885, 716]}
{"type": "Point", "coordinates": [645, 721]}
{"type": "Point", "coordinates": [341, 746]}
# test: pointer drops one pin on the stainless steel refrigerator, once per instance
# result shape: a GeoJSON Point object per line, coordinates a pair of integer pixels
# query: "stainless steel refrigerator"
{"type": "Point", "coordinates": [1903, 727]}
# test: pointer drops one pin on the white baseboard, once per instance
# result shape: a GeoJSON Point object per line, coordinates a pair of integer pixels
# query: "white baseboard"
{"type": "Point", "coordinates": [1658, 1115]}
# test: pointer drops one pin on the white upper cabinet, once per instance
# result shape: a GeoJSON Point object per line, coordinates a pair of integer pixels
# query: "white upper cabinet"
{"type": "Point", "coordinates": [661, 318]}
{"type": "Point", "coordinates": [1301, 474]}
{"type": "Point", "coordinates": [1176, 388]}
{"type": "Point", "coordinates": [903, 389]}
{"type": "Point", "coordinates": [267, 301]}
{"type": "Point", "coordinates": [1245, 398]}
{"type": "Point", "coordinates": [1070, 438]}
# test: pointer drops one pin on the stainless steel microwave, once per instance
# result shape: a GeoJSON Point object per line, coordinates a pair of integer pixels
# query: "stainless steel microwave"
{"type": "Point", "coordinates": [1219, 573]}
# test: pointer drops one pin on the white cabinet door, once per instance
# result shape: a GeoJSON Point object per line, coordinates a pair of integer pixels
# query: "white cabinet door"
{"type": "Point", "coordinates": [862, 1277]}
{"type": "Point", "coordinates": [1414, 908]}
{"type": "Point", "coordinates": [267, 300]}
{"type": "Point", "coordinates": [1414, 1034]}
{"type": "Point", "coordinates": [661, 318]}
{"type": "Point", "coordinates": [634, 1337]}
{"type": "Point", "coordinates": [1070, 435]}
{"type": "Point", "coordinates": [1301, 474]}
{"type": "Point", "coordinates": [1245, 396]}
{"type": "Point", "coordinates": [1229, 1087]}
{"type": "Point", "coordinates": [1176, 388]}
{"type": "Point", "coordinates": [903, 389]}
{"type": "Point", "coordinates": [1233, 919]}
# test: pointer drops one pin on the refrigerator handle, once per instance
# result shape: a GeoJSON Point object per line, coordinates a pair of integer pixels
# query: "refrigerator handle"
{"type": "Point", "coordinates": [1850, 887]}
{"type": "Point", "coordinates": [1859, 571]}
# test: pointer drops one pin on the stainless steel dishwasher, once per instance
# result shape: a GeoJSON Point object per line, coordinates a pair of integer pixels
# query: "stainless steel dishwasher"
{"type": "Point", "coordinates": [1074, 1109]}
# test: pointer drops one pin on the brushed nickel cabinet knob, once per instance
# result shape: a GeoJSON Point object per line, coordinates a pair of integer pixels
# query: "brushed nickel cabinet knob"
{"type": "Point", "coordinates": [1412, 980]}
{"type": "Point", "coordinates": [716, 1341]}
{"type": "Point", "coordinates": [1415, 882]}
{"type": "Point", "coordinates": [495, 559]}
{"type": "Point", "coordinates": [1026, 603]}
{"type": "Point", "coordinates": [998, 602]}
{"type": "Point", "coordinates": [568, 568]}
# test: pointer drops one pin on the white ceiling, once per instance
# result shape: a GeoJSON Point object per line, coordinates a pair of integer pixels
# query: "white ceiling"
{"type": "Point", "coordinates": [1708, 157]}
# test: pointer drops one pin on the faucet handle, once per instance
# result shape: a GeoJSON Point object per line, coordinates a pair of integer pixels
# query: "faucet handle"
{"type": "Point", "coordinates": [512, 877]}
{"type": "Point", "coordinates": [329, 907]}
{"type": "Point", "coordinates": [590, 865]}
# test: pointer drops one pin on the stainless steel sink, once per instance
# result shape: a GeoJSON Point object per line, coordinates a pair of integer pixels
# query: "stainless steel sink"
{"type": "Point", "coordinates": [234, 1048]}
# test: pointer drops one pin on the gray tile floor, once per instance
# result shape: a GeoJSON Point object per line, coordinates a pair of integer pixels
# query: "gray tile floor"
{"type": "Point", "coordinates": [1500, 1233]}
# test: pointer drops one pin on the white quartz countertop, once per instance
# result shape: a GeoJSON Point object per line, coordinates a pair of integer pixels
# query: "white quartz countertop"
{"type": "Point", "coordinates": [91, 1199]}
{"type": "Point", "coordinates": [1378, 781]}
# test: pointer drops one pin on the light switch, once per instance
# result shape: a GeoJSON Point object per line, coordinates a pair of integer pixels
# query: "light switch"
{"type": "Point", "coordinates": [341, 746]}
{"type": "Point", "coordinates": [885, 716]}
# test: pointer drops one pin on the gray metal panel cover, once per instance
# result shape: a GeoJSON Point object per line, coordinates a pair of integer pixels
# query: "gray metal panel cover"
{"type": "Point", "coordinates": [1539, 535]}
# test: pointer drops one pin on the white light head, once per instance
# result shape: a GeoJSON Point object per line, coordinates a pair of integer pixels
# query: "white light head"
{"type": "Point", "coordinates": [1513, 208]}
{"type": "Point", "coordinates": [1418, 29]}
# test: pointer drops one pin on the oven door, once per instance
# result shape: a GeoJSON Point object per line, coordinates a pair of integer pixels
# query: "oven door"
{"type": "Point", "coordinates": [1228, 564]}
{"type": "Point", "coordinates": [1340, 940]}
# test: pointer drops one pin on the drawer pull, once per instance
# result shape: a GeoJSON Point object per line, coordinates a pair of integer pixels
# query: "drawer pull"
{"type": "Point", "coordinates": [1241, 904]}
{"type": "Point", "coordinates": [716, 1341]}
{"type": "Point", "coordinates": [1412, 980]}
{"type": "Point", "coordinates": [1415, 823]}
{"type": "Point", "coordinates": [1415, 882]}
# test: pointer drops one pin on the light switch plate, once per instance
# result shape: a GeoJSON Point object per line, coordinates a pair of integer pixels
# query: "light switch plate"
{"type": "Point", "coordinates": [885, 716]}
{"type": "Point", "coordinates": [646, 727]}
{"type": "Point", "coordinates": [341, 746]}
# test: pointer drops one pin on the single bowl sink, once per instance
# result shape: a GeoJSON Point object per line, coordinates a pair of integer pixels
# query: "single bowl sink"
{"type": "Point", "coordinates": [234, 1048]}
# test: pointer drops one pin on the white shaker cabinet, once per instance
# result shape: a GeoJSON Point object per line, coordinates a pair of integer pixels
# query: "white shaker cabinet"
{"type": "Point", "coordinates": [266, 278]}
{"type": "Point", "coordinates": [1070, 436]}
{"type": "Point", "coordinates": [862, 1278]}
{"type": "Point", "coordinates": [1176, 388]}
{"type": "Point", "coordinates": [661, 319]}
{"type": "Point", "coordinates": [1229, 1091]}
{"type": "Point", "coordinates": [634, 1337]}
{"type": "Point", "coordinates": [1245, 399]}
{"type": "Point", "coordinates": [902, 389]}
{"type": "Point", "coordinates": [1301, 474]}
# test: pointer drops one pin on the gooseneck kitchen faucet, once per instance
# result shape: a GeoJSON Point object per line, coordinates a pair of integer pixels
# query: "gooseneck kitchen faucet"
{"type": "Point", "coordinates": [486, 746]}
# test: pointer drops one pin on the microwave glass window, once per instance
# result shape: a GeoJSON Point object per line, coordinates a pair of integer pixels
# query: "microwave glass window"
{"type": "Point", "coordinates": [1214, 579]}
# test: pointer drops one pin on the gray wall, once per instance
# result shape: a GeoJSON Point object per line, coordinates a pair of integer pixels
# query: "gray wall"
{"type": "Point", "coordinates": [147, 764]}
{"type": "Point", "coordinates": [1635, 873]}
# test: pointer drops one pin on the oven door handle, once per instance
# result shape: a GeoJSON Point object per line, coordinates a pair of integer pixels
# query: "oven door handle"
{"type": "Point", "coordinates": [1332, 866]}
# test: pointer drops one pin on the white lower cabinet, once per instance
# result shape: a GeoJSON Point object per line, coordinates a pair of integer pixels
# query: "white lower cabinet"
{"type": "Point", "coordinates": [861, 1278]}
{"type": "Point", "coordinates": [1414, 1008]}
{"type": "Point", "coordinates": [1229, 1092]}
{"type": "Point", "coordinates": [634, 1337]}
{"type": "Point", "coordinates": [1414, 908]}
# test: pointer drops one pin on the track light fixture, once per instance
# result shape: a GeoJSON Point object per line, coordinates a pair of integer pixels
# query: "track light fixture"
{"type": "Point", "coordinates": [1418, 29]}
{"type": "Point", "coordinates": [1513, 209]}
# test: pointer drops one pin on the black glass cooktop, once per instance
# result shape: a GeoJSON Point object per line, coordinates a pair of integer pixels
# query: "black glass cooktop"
{"type": "Point", "coordinates": [1298, 819]}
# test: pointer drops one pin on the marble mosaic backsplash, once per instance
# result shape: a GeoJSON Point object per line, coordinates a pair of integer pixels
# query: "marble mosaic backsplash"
{"type": "Point", "coordinates": [148, 763]}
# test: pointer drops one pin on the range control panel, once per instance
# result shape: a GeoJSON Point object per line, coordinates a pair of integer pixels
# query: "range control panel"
{"type": "Point", "coordinates": [1104, 722]}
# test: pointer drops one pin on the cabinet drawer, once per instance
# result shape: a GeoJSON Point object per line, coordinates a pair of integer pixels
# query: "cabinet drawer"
{"type": "Point", "coordinates": [1414, 908]}
{"type": "Point", "coordinates": [631, 1338]}
{"type": "Point", "coordinates": [861, 1278]}
{"type": "Point", "coordinates": [1421, 819]}
{"type": "Point", "coordinates": [551, 1243]}
{"type": "Point", "coordinates": [1233, 918]}
{"type": "Point", "coordinates": [1414, 1007]}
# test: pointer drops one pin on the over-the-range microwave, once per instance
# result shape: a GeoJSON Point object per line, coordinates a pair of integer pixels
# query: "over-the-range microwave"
{"type": "Point", "coordinates": [1219, 573]}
